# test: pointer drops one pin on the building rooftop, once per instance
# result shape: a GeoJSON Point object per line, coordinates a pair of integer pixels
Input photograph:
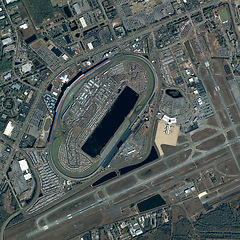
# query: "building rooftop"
{"type": "Point", "coordinates": [11, 1]}
{"type": "Point", "coordinates": [16, 86]}
{"type": "Point", "coordinates": [8, 130]}
{"type": "Point", "coordinates": [7, 41]}
{"type": "Point", "coordinates": [24, 26]}
{"type": "Point", "coordinates": [26, 67]}
{"type": "Point", "coordinates": [28, 176]}
{"type": "Point", "coordinates": [23, 165]}
{"type": "Point", "coordinates": [169, 120]}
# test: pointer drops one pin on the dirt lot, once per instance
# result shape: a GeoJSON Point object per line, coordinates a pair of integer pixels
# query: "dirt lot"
{"type": "Point", "coordinates": [71, 208]}
{"type": "Point", "coordinates": [7, 202]}
{"type": "Point", "coordinates": [215, 68]}
{"type": "Point", "coordinates": [212, 143]}
{"type": "Point", "coordinates": [60, 3]}
{"type": "Point", "coordinates": [168, 149]}
{"type": "Point", "coordinates": [224, 88]}
{"type": "Point", "coordinates": [228, 167]}
{"type": "Point", "coordinates": [15, 232]}
{"type": "Point", "coordinates": [212, 121]}
{"type": "Point", "coordinates": [213, 44]}
{"type": "Point", "coordinates": [178, 213]}
{"type": "Point", "coordinates": [235, 113]}
{"type": "Point", "coordinates": [205, 133]}
{"type": "Point", "coordinates": [163, 180]}
{"type": "Point", "coordinates": [230, 77]}
{"type": "Point", "coordinates": [203, 71]}
{"type": "Point", "coordinates": [130, 194]}
{"type": "Point", "coordinates": [120, 185]}
{"type": "Point", "coordinates": [193, 206]}
{"type": "Point", "coordinates": [213, 157]}
{"type": "Point", "coordinates": [173, 186]}
{"type": "Point", "coordinates": [149, 172]}
{"type": "Point", "coordinates": [236, 147]}
{"type": "Point", "coordinates": [231, 135]}
{"type": "Point", "coordinates": [182, 139]}
{"type": "Point", "coordinates": [224, 118]}
{"type": "Point", "coordinates": [200, 186]}
{"type": "Point", "coordinates": [101, 194]}
{"type": "Point", "coordinates": [179, 158]}
{"type": "Point", "coordinates": [229, 186]}
{"type": "Point", "coordinates": [26, 33]}
{"type": "Point", "coordinates": [186, 169]}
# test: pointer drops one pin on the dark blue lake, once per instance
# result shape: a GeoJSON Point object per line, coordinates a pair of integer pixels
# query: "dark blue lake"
{"type": "Point", "coordinates": [151, 157]}
{"type": "Point", "coordinates": [111, 122]}
{"type": "Point", "coordinates": [150, 203]}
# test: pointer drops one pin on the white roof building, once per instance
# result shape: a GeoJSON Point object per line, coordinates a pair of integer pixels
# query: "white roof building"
{"type": "Point", "coordinates": [169, 120]}
{"type": "Point", "coordinates": [55, 94]}
{"type": "Point", "coordinates": [139, 232]}
{"type": "Point", "coordinates": [23, 165]}
{"type": "Point", "coordinates": [202, 194]}
{"type": "Point", "coordinates": [26, 67]}
{"type": "Point", "coordinates": [77, 8]}
{"type": "Point", "coordinates": [8, 130]}
{"type": "Point", "coordinates": [64, 78]}
{"type": "Point", "coordinates": [24, 26]}
{"type": "Point", "coordinates": [28, 176]}
{"type": "Point", "coordinates": [7, 76]}
{"type": "Point", "coordinates": [11, 1]}
{"type": "Point", "coordinates": [65, 57]}
{"type": "Point", "coordinates": [7, 41]}
{"type": "Point", "coordinates": [187, 191]}
{"type": "Point", "coordinates": [90, 46]}
{"type": "Point", "coordinates": [83, 22]}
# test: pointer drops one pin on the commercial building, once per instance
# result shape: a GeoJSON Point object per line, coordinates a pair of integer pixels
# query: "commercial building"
{"type": "Point", "coordinates": [7, 41]}
{"type": "Point", "coordinates": [8, 130]}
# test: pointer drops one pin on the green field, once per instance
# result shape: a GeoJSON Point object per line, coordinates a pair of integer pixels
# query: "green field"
{"type": "Point", "coordinates": [40, 10]}
{"type": "Point", "coordinates": [224, 16]}
{"type": "Point", "coordinates": [58, 135]}
{"type": "Point", "coordinates": [5, 64]}
{"type": "Point", "coordinates": [47, 124]}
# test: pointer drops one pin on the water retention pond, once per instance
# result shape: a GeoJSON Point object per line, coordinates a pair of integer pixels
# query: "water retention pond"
{"type": "Point", "coordinates": [150, 203]}
{"type": "Point", "coordinates": [111, 122]}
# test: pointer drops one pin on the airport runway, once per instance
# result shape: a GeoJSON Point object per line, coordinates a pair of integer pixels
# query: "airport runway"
{"type": "Point", "coordinates": [110, 197]}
